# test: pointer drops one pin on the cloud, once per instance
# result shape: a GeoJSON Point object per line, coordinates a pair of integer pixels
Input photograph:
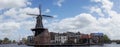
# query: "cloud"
{"type": "Point", "coordinates": [8, 27]}
{"type": "Point", "coordinates": [16, 20]}
{"type": "Point", "coordinates": [97, 10]}
{"type": "Point", "coordinates": [27, 25]}
{"type": "Point", "coordinates": [18, 15]}
{"type": "Point", "coordinates": [59, 3]}
{"type": "Point", "coordinates": [4, 4]}
{"type": "Point", "coordinates": [95, 0]}
{"type": "Point", "coordinates": [79, 21]}
{"type": "Point", "coordinates": [55, 16]}
{"type": "Point", "coordinates": [106, 4]}
{"type": "Point", "coordinates": [21, 13]}
{"type": "Point", "coordinates": [1, 17]}
{"type": "Point", "coordinates": [47, 10]}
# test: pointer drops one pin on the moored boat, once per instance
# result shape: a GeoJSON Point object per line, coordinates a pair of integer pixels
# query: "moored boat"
{"type": "Point", "coordinates": [118, 42]}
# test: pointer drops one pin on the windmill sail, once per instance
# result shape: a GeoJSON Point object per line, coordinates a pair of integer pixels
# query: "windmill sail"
{"type": "Point", "coordinates": [47, 16]}
{"type": "Point", "coordinates": [39, 9]}
{"type": "Point", "coordinates": [39, 17]}
{"type": "Point", "coordinates": [33, 14]}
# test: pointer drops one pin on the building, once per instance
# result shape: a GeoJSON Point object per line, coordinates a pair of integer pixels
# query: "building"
{"type": "Point", "coordinates": [52, 37]}
{"type": "Point", "coordinates": [73, 38]}
{"type": "Point", "coordinates": [97, 37]}
{"type": "Point", "coordinates": [65, 38]}
{"type": "Point", "coordinates": [43, 38]}
{"type": "Point", "coordinates": [61, 38]}
{"type": "Point", "coordinates": [84, 38]}
{"type": "Point", "coordinates": [30, 39]}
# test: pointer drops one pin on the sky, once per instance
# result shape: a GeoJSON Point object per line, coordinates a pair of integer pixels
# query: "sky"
{"type": "Point", "coordinates": [85, 16]}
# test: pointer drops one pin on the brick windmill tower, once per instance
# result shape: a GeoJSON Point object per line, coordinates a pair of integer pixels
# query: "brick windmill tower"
{"type": "Point", "coordinates": [42, 35]}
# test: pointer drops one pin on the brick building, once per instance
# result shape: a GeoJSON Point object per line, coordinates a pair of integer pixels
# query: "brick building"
{"type": "Point", "coordinates": [43, 38]}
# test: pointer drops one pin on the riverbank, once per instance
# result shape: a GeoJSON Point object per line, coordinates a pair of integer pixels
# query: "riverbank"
{"type": "Point", "coordinates": [56, 45]}
{"type": "Point", "coordinates": [105, 45]}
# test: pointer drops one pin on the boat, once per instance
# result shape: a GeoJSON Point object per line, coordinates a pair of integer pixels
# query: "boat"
{"type": "Point", "coordinates": [19, 43]}
{"type": "Point", "coordinates": [118, 42]}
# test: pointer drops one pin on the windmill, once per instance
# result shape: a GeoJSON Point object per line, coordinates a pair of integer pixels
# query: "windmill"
{"type": "Point", "coordinates": [39, 23]}
{"type": "Point", "coordinates": [39, 18]}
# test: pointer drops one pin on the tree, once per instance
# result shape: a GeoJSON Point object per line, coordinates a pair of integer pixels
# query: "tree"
{"type": "Point", "coordinates": [24, 40]}
{"type": "Point", "coordinates": [13, 41]}
{"type": "Point", "coordinates": [0, 41]}
{"type": "Point", "coordinates": [106, 39]}
{"type": "Point", "coordinates": [6, 40]}
{"type": "Point", "coordinates": [9, 41]}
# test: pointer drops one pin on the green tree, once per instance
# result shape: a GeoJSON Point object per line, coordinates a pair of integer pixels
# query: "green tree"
{"type": "Point", "coordinates": [9, 41]}
{"type": "Point", "coordinates": [106, 39]}
{"type": "Point", "coordinates": [6, 40]}
{"type": "Point", "coordinates": [0, 41]}
{"type": "Point", "coordinates": [24, 40]}
{"type": "Point", "coordinates": [13, 41]}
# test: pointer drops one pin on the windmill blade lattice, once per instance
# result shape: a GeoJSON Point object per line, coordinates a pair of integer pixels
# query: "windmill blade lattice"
{"type": "Point", "coordinates": [33, 14]}
{"type": "Point", "coordinates": [47, 16]}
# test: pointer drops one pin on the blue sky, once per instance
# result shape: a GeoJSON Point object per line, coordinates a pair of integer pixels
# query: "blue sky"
{"type": "Point", "coordinates": [68, 8]}
{"type": "Point", "coordinates": [86, 16]}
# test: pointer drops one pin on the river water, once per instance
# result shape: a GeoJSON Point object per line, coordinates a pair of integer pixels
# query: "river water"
{"type": "Point", "coordinates": [105, 45]}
